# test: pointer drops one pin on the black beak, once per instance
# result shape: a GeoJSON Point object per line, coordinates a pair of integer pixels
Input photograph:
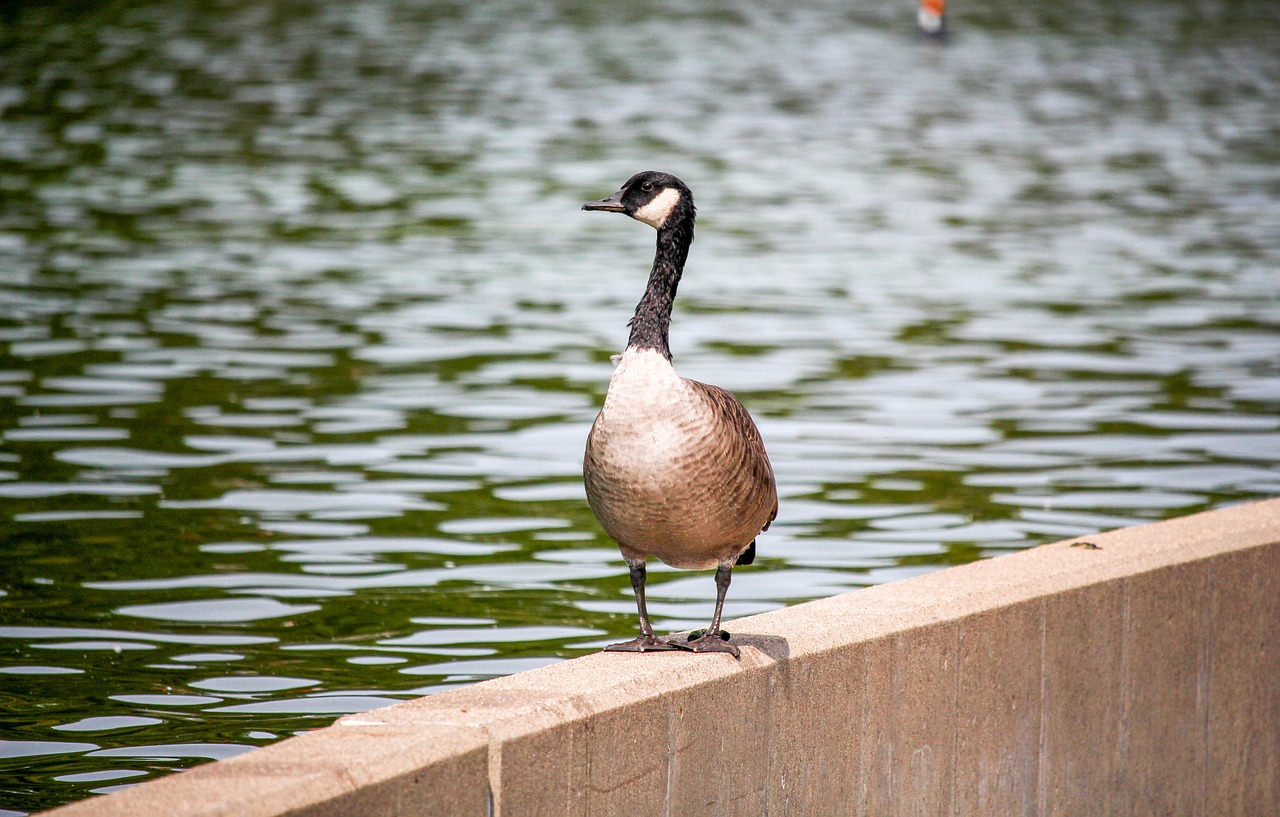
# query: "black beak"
{"type": "Point", "coordinates": [609, 204]}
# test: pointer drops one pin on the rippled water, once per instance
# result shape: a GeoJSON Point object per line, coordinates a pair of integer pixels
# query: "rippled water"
{"type": "Point", "coordinates": [302, 331]}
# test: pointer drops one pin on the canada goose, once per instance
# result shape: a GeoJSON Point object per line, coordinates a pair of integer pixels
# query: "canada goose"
{"type": "Point", "coordinates": [674, 468]}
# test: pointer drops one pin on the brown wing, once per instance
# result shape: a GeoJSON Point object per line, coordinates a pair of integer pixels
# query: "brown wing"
{"type": "Point", "coordinates": [734, 422]}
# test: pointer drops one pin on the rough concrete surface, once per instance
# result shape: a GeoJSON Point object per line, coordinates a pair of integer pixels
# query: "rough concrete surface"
{"type": "Point", "coordinates": [1138, 677]}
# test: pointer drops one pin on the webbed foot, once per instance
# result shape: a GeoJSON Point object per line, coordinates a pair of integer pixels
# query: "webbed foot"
{"type": "Point", "coordinates": [647, 643]}
{"type": "Point", "coordinates": [717, 641]}
{"type": "Point", "coordinates": [696, 634]}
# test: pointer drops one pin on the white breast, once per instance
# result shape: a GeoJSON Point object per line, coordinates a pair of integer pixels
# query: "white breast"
{"type": "Point", "coordinates": [643, 372]}
{"type": "Point", "coordinates": [647, 405]}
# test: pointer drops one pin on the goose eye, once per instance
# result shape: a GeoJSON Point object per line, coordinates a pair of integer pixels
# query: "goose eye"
{"type": "Point", "coordinates": [646, 186]}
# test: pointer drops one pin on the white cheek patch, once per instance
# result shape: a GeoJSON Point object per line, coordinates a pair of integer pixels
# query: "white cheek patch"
{"type": "Point", "coordinates": [655, 213]}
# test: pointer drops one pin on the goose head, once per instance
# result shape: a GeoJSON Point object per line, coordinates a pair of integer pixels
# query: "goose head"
{"type": "Point", "coordinates": [657, 199]}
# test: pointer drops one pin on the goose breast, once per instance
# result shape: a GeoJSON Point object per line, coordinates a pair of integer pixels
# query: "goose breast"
{"type": "Point", "coordinates": [675, 468]}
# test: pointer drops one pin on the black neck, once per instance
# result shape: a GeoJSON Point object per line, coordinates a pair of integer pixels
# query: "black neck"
{"type": "Point", "coordinates": [653, 314]}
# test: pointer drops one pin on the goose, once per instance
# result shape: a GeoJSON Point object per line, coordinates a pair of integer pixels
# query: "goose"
{"type": "Point", "coordinates": [674, 469]}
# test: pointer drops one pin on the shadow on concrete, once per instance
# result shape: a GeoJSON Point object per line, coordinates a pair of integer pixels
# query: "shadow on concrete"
{"type": "Point", "coordinates": [774, 646]}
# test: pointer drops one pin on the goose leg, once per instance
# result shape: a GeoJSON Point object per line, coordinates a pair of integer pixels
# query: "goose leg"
{"type": "Point", "coordinates": [647, 641]}
{"type": "Point", "coordinates": [710, 641]}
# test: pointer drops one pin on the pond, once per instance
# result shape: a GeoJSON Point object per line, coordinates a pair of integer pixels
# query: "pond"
{"type": "Point", "coordinates": [302, 330]}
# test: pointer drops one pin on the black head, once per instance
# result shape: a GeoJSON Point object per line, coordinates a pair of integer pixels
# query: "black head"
{"type": "Point", "coordinates": [655, 198]}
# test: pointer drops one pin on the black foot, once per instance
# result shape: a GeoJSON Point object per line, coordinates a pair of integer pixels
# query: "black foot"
{"type": "Point", "coordinates": [696, 634]}
{"type": "Point", "coordinates": [713, 642]}
{"type": "Point", "coordinates": [647, 643]}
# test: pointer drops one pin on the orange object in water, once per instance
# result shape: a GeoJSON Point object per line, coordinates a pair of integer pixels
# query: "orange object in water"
{"type": "Point", "coordinates": [929, 16]}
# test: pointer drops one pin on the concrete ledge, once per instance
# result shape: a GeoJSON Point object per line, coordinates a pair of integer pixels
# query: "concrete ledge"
{"type": "Point", "coordinates": [1140, 676]}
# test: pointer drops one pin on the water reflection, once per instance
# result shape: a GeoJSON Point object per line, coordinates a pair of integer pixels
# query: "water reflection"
{"type": "Point", "coordinates": [300, 333]}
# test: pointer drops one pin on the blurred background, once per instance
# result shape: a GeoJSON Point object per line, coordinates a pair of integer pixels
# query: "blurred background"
{"type": "Point", "coordinates": [301, 329]}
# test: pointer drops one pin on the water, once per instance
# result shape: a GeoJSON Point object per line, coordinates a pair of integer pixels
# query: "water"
{"type": "Point", "coordinates": [302, 330]}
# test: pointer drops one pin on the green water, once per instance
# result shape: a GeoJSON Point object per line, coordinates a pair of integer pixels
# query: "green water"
{"type": "Point", "coordinates": [301, 330]}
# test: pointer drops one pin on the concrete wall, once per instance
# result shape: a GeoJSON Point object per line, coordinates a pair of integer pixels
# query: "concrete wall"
{"type": "Point", "coordinates": [1140, 677]}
